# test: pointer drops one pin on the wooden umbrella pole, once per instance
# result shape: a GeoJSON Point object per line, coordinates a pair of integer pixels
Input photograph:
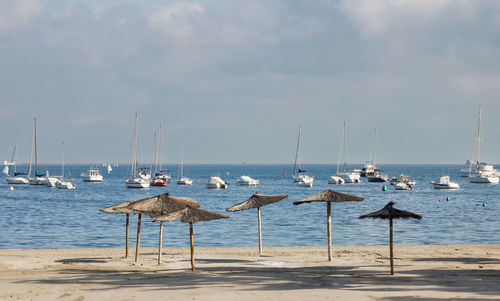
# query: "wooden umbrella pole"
{"type": "Point", "coordinates": [138, 242]}
{"type": "Point", "coordinates": [192, 245]}
{"type": "Point", "coordinates": [160, 243]}
{"type": "Point", "coordinates": [260, 231]}
{"type": "Point", "coordinates": [126, 236]}
{"type": "Point", "coordinates": [390, 238]}
{"type": "Point", "coordinates": [329, 229]}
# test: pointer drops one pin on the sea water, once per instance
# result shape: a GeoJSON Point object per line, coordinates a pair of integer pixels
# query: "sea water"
{"type": "Point", "coordinates": [41, 217]}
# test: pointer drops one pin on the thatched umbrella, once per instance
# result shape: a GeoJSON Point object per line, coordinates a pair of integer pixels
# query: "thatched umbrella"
{"type": "Point", "coordinates": [158, 205]}
{"type": "Point", "coordinates": [256, 201]}
{"type": "Point", "coordinates": [190, 215]}
{"type": "Point", "coordinates": [121, 208]}
{"type": "Point", "coordinates": [329, 196]}
{"type": "Point", "coordinates": [388, 212]}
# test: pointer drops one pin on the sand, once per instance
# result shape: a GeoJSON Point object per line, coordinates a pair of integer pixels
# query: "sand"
{"type": "Point", "coordinates": [461, 272]}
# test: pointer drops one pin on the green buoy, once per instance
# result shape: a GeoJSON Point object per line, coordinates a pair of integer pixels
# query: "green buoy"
{"type": "Point", "coordinates": [484, 204]}
{"type": "Point", "coordinates": [447, 198]}
{"type": "Point", "coordinates": [384, 188]}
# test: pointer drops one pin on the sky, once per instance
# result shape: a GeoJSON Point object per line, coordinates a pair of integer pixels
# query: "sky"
{"type": "Point", "coordinates": [234, 80]}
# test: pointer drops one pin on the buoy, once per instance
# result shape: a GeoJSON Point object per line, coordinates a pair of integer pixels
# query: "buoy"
{"type": "Point", "coordinates": [484, 204]}
{"type": "Point", "coordinates": [447, 198]}
{"type": "Point", "coordinates": [440, 200]}
{"type": "Point", "coordinates": [11, 188]}
{"type": "Point", "coordinates": [384, 188]}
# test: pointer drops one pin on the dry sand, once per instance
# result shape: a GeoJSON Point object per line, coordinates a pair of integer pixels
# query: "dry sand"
{"type": "Point", "coordinates": [422, 272]}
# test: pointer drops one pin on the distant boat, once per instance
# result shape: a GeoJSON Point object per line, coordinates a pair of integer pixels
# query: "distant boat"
{"type": "Point", "coordinates": [247, 181]}
{"type": "Point", "coordinates": [17, 178]}
{"type": "Point", "coordinates": [109, 168]}
{"type": "Point", "coordinates": [64, 184]}
{"type": "Point", "coordinates": [402, 186]}
{"type": "Point", "coordinates": [216, 183]}
{"type": "Point", "coordinates": [444, 183]}
{"type": "Point", "coordinates": [182, 179]}
{"type": "Point", "coordinates": [139, 177]}
{"type": "Point", "coordinates": [369, 168]}
{"type": "Point", "coordinates": [402, 179]}
{"type": "Point", "coordinates": [299, 175]}
{"type": "Point", "coordinates": [483, 173]}
{"type": "Point", "coordinates": [38, 179]}
{"type": "Point", "coordinates": [93, 175]}
{"type": "Point", "coordinates": [347, 176]}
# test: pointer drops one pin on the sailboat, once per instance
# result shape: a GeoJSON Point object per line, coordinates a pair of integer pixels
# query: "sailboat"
{"type": "Point", "coordinates": [17, 178]}
{"type": "Point", "coordinates": [109, 168]}
{"type": "Point", "coordinates": [299, 175]}
{"type": "Point", "coordinates": [161, 174]}
{"type": "Point", "coordinates": [483, 173]}
{"type": "Point", "coordinates": [39, 179]}
{"type": "Point", "coordinates": [62, 184]}
{"type": "Point", "coordinates": [157, 181]}
{"type": "Point", "coordinates": [347, 176]}
{"type": "Point", "coordinates": [372, 174]}
{"type": "Point", "coordinates": [140, 178]}
{"type": "Point", "coordinates": [182, 179]}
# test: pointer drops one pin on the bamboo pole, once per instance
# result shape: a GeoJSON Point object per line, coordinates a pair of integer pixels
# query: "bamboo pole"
{"type": "Point", "coordinates": [126, 236]}
{"type": "Point", "coordinates": [391, 248]}
{"type": "Point", "coordinates": [192, 245]}
{"type": "Point", "coordinates": [160, 243]}
{"type": "Point", "coordinates": [138, 242]}
{"type": "Point", "coordinates": [260, 231]}
{"type": "Point", "coordinates": [329, 229]}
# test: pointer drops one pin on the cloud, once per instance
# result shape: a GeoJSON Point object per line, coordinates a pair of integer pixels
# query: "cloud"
{"type": "Point", "coordinates": [175, 19]}
{"type": "Point", "coordinates": [14, 14]}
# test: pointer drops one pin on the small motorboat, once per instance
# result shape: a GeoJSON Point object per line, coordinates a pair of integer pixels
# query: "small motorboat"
{"type": "Point", "coordinates": [377, 178]}
{"type": "Point", "coordinates": [92, 175]}
{"type": "Point", "coordinates": [402, 186]}
{"type": "Point", "coordinates": [305, 181]}
{"type": "Point", "coordinates": [444, 183]}
{"type": "Point", "coordinates": [159, 182]}
{"type": "Point", "coordinates": [335, 180]}
{"type": "Point", "coordinates": [184, 181]}
{"type": "Point", "coordinates": [216, 183]}
{"type": "Point", "coordinates": [247, 181]}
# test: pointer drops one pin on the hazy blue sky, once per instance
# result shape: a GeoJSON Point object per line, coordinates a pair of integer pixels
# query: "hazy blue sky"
{"type": "Point", "coordinates": [233, 80]}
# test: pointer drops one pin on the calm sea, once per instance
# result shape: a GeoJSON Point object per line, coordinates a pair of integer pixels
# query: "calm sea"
{"type": "Point", "coordinates": [41, 217]}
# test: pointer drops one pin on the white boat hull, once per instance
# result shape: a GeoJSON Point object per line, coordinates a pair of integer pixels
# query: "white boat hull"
{"type": "Point", "coordinates": [446, 186]}
{"type": "Point", "coordinates": [350, 178]}
{"type": "Point", "coordinates": [185, 181]}
{"type": "Point", "coordinates": [137, 183]}
{"type": "Point", "coordinates": [65, 185]}
{"type": "Point", "coordinates": [17, 180]}
{"type": "Point", "coordinates": [247, 181]}
{"type": "Point", "coordinates": [92, 178]}
{"type": "Point", "coordinates": [484, 179]}
{"type": "Point", "coordinates": [335, 180]}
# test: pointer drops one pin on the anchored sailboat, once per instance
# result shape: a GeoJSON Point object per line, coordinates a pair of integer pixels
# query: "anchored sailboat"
{"type": "Point", "coordinates": [182, 179]}
{"type": "Point", "coordinates": [62, 184]}
{"type": "Point", "coordinates": [299, 175]}
{"type": "Point", "coordinates": [17, 178]}
{"type": "Point", "coordinates": [140, 178]}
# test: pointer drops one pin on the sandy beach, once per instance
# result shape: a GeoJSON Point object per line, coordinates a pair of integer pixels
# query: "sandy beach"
{"type": "Point", "coordinates": [284, 273]}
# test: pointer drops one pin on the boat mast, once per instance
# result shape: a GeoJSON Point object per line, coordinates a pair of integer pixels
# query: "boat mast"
{"type": "Point", "coordinates": [476, 145]}
{"type": "Point", "coordinates": [340, 155]}
{"type": "Point", "coordinates": [345, 153]}
{"type": "Point", "coordinates": [155, 155]}
{"type": "Point", "coordinates": [160, 149]}
{"type": "Point", "coordinates": [31, 152]}
{"type": "Point", "coordinates": [374, 152]}
{"type": "Point", "coordinates": [297, 154]}
{"type": "Point", "coordinates": [62, 164]}
{"type": "Point", "coordinates": [134, 156]}
{"type": "Point", "coordinates": [479, 138]}
{"type": "Point", "coordinates": [13, 159]}
{"type": "Point", "coordinates": [182, 160]}
{"type": "Point", "coordinates": [36, 153]}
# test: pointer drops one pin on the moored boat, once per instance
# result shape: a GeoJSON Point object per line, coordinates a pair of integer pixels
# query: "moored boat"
{"type": "Point", "coordinates": [216, 183]}
{"type": "Point", "coordinates": [93, 175]}
{"type": "Point", "coordinates": [444, 183]}
{"type": "Point", "coordinates": [247, 181]}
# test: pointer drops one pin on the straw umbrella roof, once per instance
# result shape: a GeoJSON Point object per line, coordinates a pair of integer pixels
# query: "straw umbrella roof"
{"type": "Point", "coordinates": [257, 200]}
{"type": "Point", "coordinates": [329, 196]}
{"type": "Point", "coordinates": [389, 212]}
{"type": "Point", "coordinates": [161, 204]}
{"type": "Point", "coordinates": [190, 215]}
{"type": "Point", "coordinates": [119, 208]}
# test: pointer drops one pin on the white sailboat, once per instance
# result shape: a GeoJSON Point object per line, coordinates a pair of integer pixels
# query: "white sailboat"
{"type": "Point", "coordinates": [140, 178]}
{"type": "Point", "coordinates": [182, 179]}
{"type": "Point", "coordinates": [299, 175]}
{"type": "Point", "coordinates": [483, 172]}
{"type": "Point", "coordinates": [17, 178]}
{"type": "Point", "coordinates": [38, 179]}
{"type": "Point", "coordinates": [64, 184]}
{"type": "Point", "coordinates": [161, 173]}
{"type": "Point", "coordinates": [109, 169]}
{"type": "Point", "coordinates": [347, 176]}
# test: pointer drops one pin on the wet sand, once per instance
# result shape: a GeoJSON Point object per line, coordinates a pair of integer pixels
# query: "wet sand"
{"type": "Point", "coordinates": [284, 273]}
